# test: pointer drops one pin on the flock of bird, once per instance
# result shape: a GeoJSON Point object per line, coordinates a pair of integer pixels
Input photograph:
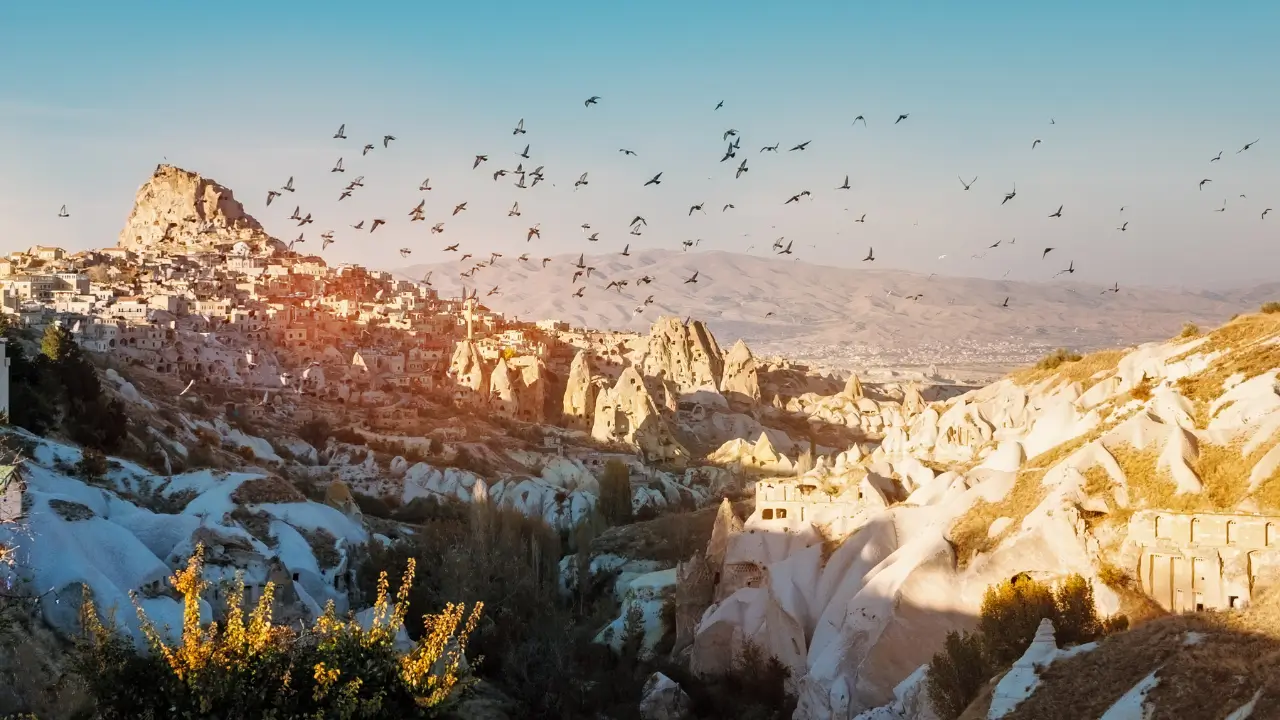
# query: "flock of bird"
{"type": "Point", "coordinates": [527, 179]}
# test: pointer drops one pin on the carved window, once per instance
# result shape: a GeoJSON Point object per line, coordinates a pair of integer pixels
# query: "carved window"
{"type": "Point", "coordinates": [766, 514]}
{"type": "Point", "coordinates": [1162, 527]}
{"type": "Point", "coordinates": [782, 513]}
{"type": "Point", "coordinates": [1232, 532]}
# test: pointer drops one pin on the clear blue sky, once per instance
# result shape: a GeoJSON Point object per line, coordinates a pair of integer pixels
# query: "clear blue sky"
{"type": "Point", "coordinates": [94, 94]}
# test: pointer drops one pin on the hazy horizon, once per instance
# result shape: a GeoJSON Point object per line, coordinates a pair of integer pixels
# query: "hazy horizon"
{"type": "Point", "coordinates": [251, 96]}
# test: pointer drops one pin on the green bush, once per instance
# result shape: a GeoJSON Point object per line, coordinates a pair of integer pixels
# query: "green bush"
{"type": "Point", "coordinates": [957, 673]}
{"type": "Point", "coordinates": [1011, 614]}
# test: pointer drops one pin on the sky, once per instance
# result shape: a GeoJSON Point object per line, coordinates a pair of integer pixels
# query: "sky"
{"type": "Point", "coordinates": [1141, 95]}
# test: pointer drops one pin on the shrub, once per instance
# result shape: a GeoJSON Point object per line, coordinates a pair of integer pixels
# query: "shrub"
{"type": "Point", "coordinates": [250, 668]}
{"type": "Point", "coordinates": [957, 673]}
{"type": "Point", "coordinates": [1056, 358]}
{"type": "Point", "coordinates": [1189, 330]}
{"type": "Point", "coordinates": [92, 465]}
{"type": "Point", "coordinates": [1011, 612]}
{"type": "Point", "coordinates": [615, 493]}
{"type": "Point", "coordinates": [1269, 308]}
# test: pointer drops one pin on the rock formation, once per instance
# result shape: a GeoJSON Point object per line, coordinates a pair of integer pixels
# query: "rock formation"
{"type": "Point", "coordinates": [502, 392]}
{"type": "Point", "coordinates": [663, 699]}
{"type": "Point", "coordinates": [739, 383]}
{"type": "Point", "coordinates": [469, 375]}
{"type": "Point", "coordinates": [626, 413]}
{"type": "Point", "coordinates": [687, 355]}
{"type": "Point", "coordinates": [853, 387]}
{"type": "Point", "coordinates": [531, 392]}
{"type": "Point", "coordinates": [580, 393]}
{"type": "Point", "coordinates": [180, 210]}
{"type": "Point", "coordinates": [1018, 683]}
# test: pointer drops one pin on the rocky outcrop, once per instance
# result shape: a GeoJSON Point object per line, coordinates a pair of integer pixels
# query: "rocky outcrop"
{"type": "Point", "coordinates": [181, 211]}
{"type": "Point", "coordinates": [502, 392]}
{"type": "Point", "coordinates": [626, 413]}
{"type": "Point", "coordinates": [686, 355]}
{"type": "Point", "coordinates": [663, 699]}
{"type": "Point", "coordinates": [469, 375]}
{"type": "Point", "coordinates": [580, 393]}
{"type": "Point", "coordinates": [739, 383]}
{"type": "Point", "coordinates": [853, 387]}
{"type": "Point", "coordinates": [531, 392]}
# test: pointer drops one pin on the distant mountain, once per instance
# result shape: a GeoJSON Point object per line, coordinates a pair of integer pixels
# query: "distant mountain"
{"type": "Point", "coordinates": [841, 316]}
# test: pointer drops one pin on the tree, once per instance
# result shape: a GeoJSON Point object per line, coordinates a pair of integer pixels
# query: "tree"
{"type": "Point", "coordinates": [957, 673]}
{"type": "Point", "coordinates": [615, 493]}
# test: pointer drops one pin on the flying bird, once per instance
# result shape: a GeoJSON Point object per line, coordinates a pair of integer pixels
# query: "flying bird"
{"type": "Point", "coordinates": [1264, 213]}
{"type": "Point", "coordinates": [871, 255]}
{"type": "Point", "coordinates": [1202, 182]}
{"type": "Point", "coordinates": [901, 118]}
{"type": "Point", "coordinates": [1010, 195]}
{"type": "Point", "coordinates": [693, 278]}
{"type": "Point", "coordinates": [696, 207]}
{"type": "Point", "coordinates": [532, 232]}
{"type": "Point", "coordinates": [864, 121]}
{"type": "Point", "coordinates": [1046, 252]}
{"type": "Point", "coordinates": [726, 207]}
{"type": "Point", "coordinates": [288, 187]}
{"type": "Point", "coordinates": [969, 184]}
{"type": "Point", "coordinates": [519, 128]}
{"type": "Point", "coordinates": [498, 174]}
{"type": "Point", "coordinates": [655, 180]}
{"type": "Point", "coordinates": [437, 228]}
{"type": "Point", "coordinates": [494, 291]}
{"type": "Point", "coordinates": [786, 250]}
{"type": "Point", "coordinates": [271, 195]}
{"type": "Point", "coordinates": [386, 140]}
{"type": "Point", "coordinates": [479, 159]}
{"type": "Point", "coordinates": [591, 100]}
{"type": "Point", "coordinates": [728, 133]}
{"type": "Point", "coordinates": [404, 252]}
{"type": "Point", "coordinates": [545, 261]}
{"type": "Point", "coordinates": [342, 132]}
{"type": "Point", "coordinates": [742, 167]}
{"type": "Point", "coordinates": [1034, 143]}
{"type": "Point", "coordinates": [625, 151]}
{"type": "Point", "coordinates": [524, 153]}
{"type": "Point", "coordinates": [338, 166]}
{"type": "Point", "coordinates": [366, 150]}
{"type": "Point", "coordinates": [1246, 147]}
{"type": "Point", "coordinates": [626, 250]}
{"type": "Point", "coordinates": [801, 146]}
{"type": "Point", "coordinates": [580, 291]}
{"type": "Point", "coordinates": [514, 211]}
{"type": "Point", "coordinates": [1057, 214]}
{"type": "Point", "coordinates": [452, 248]}
{"type": "Point", "coordinates": [1216, 159]}
{"type": "Point", "coordinates": [376, 223]}
{"type": "Point", "coordinates": [459, 208]}
{"type": "Point", "coordinates": [845, 186]}
{"type": "Point", "coordinates": [770, 148]}
{"type": "Point", "coordinates": [581, 180]}
{"type": "Point", "coordinates": [1006, 303]}
{"type": "Point", "coordinates": [719, 105]}
{"type": "Point", "coordinates": [359, 225]}
{"type": "Point", "coordinates": [426, 185]}
{"type": "Point", "coordinates": [1113, 289]}
{"type": "Point", "coordinates": [1071, 268]}
{"type": "Point", "coordinates": [1123, 227]}
{"type": "Point", "coordinates": [862, 219]}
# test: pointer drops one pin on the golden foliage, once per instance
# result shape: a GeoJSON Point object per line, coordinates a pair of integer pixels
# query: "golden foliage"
{"type": "Point", "coordinates": [1249, 348]}
{"type": "Point", "coordinates": [1070, 367]}
{"type": "Point", "coordinates": [206, 658]}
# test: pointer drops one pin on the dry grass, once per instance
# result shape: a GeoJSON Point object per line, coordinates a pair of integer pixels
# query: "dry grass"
{"type": "Point", "coordinates": [1248, 351]}
{"type": "Point", "coordinates": [269, 489]}
{"type": "Point", "coordinates": [1222, 469]}
{"type": "Point", "coordinates": [668, 538]}
{"type": "Point", "coordinates": [322, 544]}
{"type": "Point", "coordinates": [1204, 681]}
{"type": "Point", "coordinates": [1079, 370]}
{"type": "Point", "coordinates": [1268, 493]}
{"type": "Point", "coordinates": [969, 534]}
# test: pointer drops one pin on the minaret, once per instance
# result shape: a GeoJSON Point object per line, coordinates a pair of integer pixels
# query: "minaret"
{"type": "Point", "coordinates": [468, 308]}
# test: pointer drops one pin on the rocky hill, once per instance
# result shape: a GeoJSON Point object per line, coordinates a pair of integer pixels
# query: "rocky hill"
{"type": "Point", "coordinates": [178, 210]}
{"type": "Point", "coordinates": [849, 317]}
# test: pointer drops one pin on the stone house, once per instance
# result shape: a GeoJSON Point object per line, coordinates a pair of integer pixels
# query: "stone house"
{"type": "Point", "coordinates": [1205, 561]}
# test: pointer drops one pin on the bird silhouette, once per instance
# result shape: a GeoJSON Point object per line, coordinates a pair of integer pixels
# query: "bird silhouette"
{"type": "Point", "coordinates": [655, 180]}
{"type": "Point", "coordinates": [426, 185]}
{"type": "Point", "coordinates": [288, 186]}
{"type": "Point", "coordinates": [862, 219]}
{"type": "Point", "coordinates": [1046, 252]}
{"type": "Point", "coordinates": [1034, 143]}
{"type": "Point", "coordinates": [871, 255]}
{"type": "Point", "coordinates": [1264, 213]}
{"type": "Point", "coordinates": [1071, 268]}
{"type": "Point", "coordinates": [770, 148]}
{"type": "Point", "coordinates": [533, 232]}
{"type": "Point", "coordinates": [366, 149]}
{"type": "Point", "coordinates": [341, 134]}
{"type": "Point", "coordinates": [386, 140]}
{"type": "Point", "coordinates": [1247, 146]}
{"type": "Point", "coordinates": [524, 153]}
{"type": "Point", "coordinates": [514, 211]}
{"type": "Point", "coordinates": [1123, 227]}
{"type": "Point", "coordinates": [692, 279]}
{"type": "Point", "coordinates": [901, 118]}
{"type": "Point", "coordinates": [697, 207]}
{"type": "Point", "coordinates": [1202, 182]}
{"type": "Point", "coordinates": [864, 121]}
{"type": "Point", "coordinates": [1216, 159]}
{"type": "Point", "coordinates": [719, 105]}
{"type": "Point", "coordinates": [376, 224]}
{"type": "Point", "coordinates": [519, 128]}
{"type": "Point", "coordinates": [459, 208]}
{"type": "Point", "coordinates": [1006, 303]}
{"type": "Point", "coordinates": [846, 185]}
{"type": "Point", "coordinates": [1057, 214]}
{"type": "Point", "coordinates": [969, 184]}
{"type": "Point", "coordinates": [338, 166]}
{"type": "Point", "coordinates": [592, 100]}
{"type": "Point", "coordinates": [581, 180]}
{"type": "Point", "coordinates": [437, 228]}
{"type": "Point", "coordinates": [742, 167]}
{"type": "Point", "coordinates": [479, 159]}
{"type": "Point", "coordinates": [452, 248]}
{"type": "Point", "coordinates": [625, 151]}
{"type": "Point", "coordinates": [801, 146]}
{"type": "Point", "coordinates": [1010, 195]}
{"type": "Point", "coordinates": [726, 207]}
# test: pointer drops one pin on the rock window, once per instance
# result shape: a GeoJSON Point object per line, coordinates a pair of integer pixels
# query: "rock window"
{"type": "Point", "coordinates": [1232, 531]}
{"type": "Point", "coordinates": [766, 514]}
{"type": "Point", "coordinates": [295, 577]}
{"type": "Point", "coordinates": [782, 513]}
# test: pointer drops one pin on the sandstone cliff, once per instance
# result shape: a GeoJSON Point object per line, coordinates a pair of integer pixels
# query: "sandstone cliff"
{"type": "Point", "coordinates": [739, 383]}
{"type": "Point", "coordinates": [178, 210]}
{"type": "Point", "coordinates": [580, 393]}
{"type": "Point", "coordinates": [686, 355]}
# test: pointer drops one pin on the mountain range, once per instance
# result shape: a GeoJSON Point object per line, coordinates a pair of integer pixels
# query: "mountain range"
{"type": "Point", "coordinates": [844, 317]}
